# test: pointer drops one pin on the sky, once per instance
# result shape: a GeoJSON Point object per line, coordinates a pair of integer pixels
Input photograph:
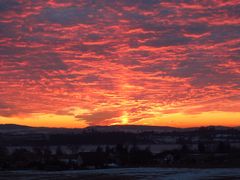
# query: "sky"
{"type": "Point", "coordinates": [78, 63]}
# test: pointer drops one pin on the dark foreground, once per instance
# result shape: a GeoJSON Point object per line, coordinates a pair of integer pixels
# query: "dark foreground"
{"type": "Point", "coordinates": [125, 174]}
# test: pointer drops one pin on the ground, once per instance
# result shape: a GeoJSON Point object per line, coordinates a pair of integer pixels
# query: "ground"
{"type": "Point", "coordinates": [125, 174]}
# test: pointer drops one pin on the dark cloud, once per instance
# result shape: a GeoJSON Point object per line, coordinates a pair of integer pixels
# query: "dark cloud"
{"type": "Point", "coordinates": [196, 28]}
{"type": "Point", "coordinates": [99, 117]}
{"type": "Point", "coordinates": [90, 78]}
{"type": "Point", "coordinates": [170, 39]}
{"type": "Point", "coordinates": [8, 110]}
{"type": "Point", "coordinates": [47, 61]}
{"type": "Point", "coordinates": [9, 5]}
{"type": "Point", "coordinates": [192, 68]}
{"type": "Point", "coordinates": [7, 30]}
{"type": "Point", "coordinates": [69, 15]}
{"type": "Point", "coordinates": [152, 68]}
{"type": "Point", "coordinates": [215, 79]}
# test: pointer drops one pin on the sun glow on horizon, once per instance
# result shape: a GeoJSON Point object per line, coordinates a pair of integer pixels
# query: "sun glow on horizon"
{"type": "Point", "coordinates": [174, 120]}
{"type": "Point", "coordinates": [124, 118]}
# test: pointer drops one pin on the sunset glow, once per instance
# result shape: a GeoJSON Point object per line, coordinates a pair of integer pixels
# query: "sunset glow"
{"type": "Point", "coordinates": [79, 63]}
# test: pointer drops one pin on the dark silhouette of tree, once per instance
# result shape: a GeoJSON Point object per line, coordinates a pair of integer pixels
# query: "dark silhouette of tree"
{"type": "Point", "coordinates": [223, 147]}
{"type": "Point", "coordinates": [59, 151]}
{"type": "Point", "coordinates": [4, 158]}
{"type": "Point", "coordinates": [185, 148]}
{"type": "Point", "coordinates": [121, 152]}
{"type": "Point", "coordinates": [201, 147]}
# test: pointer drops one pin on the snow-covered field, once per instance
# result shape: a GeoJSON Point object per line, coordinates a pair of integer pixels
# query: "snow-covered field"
{"type": "Point", "coordinates": [125, 174]}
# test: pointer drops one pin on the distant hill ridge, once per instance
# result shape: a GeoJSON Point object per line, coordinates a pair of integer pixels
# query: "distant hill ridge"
{"type": "Point", "coordinates": [22, 129]}
{"type": "Point", "coordinates": [132, 128]}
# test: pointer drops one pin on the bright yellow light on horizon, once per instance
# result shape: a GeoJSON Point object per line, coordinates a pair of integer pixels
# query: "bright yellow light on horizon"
{"type": "Point", "coordinates": [124, 118]}
{"type": "Point", "coordinates": [214, 118]}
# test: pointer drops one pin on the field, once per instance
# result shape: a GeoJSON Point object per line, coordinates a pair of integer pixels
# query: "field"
{"type": "Point", "coordinates": [125, 174]}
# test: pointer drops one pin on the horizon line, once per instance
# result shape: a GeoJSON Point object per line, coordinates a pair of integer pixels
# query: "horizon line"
{"type": "Point", "coordinates": [122, 125]}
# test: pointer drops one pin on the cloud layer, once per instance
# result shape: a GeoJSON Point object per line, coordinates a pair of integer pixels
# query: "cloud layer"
{"type": "Point", "coordinates": [119, 60]}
